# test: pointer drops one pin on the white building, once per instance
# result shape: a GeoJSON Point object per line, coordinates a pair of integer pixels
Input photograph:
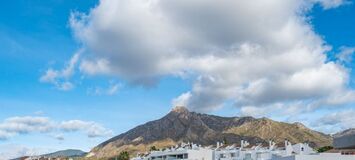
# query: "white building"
{"type": "Point", "coordinates": [185, 151]}
{"type": "Point", "coordinates": [321, 156]}
{"type": "Point", "coordinates": [242, 153]}
{"type": "Point", "coordinates": [300, 151]}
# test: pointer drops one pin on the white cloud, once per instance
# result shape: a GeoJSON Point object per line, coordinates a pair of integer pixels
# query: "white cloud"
{"type": "Point", "coordinates": [60, 78]}
{"type": "Point", "coordinates": [73, 125]}
{"type": "Point", "coordinates": [92, 129]}
{"type": "Point", "coordinates": [329, 4]}
{"type": "Point", "coordinates": [233, 48]}
{"type": "Point", "coordinates": [339, 99]}
{"type": "Point", "coordinates": [58, 137]}
{"type": "Point", "coordinates": [286, 111]}
{"type": "Point", "coordinates": [253, 111]}
{"type": "Point", "coordinates": [297, 86]}
{"type": "Point", "coordinates": [23, 125]}
{"type": "Point", "coordinates": [14, 126]}
{"type": "Point", "coordinates": [6, 135]}
{"type": "Point", "coordinates": [100, 66]}
{"type": "Point", "coordinates": [113, 89]}
{"type": "Point", "coordinates": [336, 121]}
{"type": "Point", "coordinates": [11, 151]}
{"type": "Point", "coordinates": [182, 100]}
{"type": "Point", "coordinates": [346, 54]}
{"type": "Point", "coordinates": [110, 90]}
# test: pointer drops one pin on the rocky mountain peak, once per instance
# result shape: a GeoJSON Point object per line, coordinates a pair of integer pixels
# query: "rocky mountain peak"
{"type": "Point", "coordinates": [300, 125]}
{"type": "Point", "coordinates": [180, 109]}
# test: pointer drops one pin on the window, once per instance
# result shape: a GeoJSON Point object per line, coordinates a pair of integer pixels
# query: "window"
{"type": "Point", "coordinates": [232, 154]}
{"type": "Point", "coordinates": [179, 156]}
{"type": "Point", "coordinates": [247, 156]}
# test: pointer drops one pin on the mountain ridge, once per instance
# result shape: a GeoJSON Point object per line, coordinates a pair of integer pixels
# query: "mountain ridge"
{"type": "Point", "coordinates": [66, 153]}
{"type": "Point", "coordinates": [181, 125]}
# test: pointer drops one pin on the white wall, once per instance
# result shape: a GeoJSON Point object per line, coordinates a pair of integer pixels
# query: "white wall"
{"type": "Point", "coordinates": [201, 154]}
{"type": "Point", "coordinates": [323, 156]}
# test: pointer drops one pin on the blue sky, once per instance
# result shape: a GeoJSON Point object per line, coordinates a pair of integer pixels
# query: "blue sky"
{"type": "Point", "coordinates": [39, 36]}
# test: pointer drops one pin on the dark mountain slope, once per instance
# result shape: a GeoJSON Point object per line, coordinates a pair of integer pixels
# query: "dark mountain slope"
{"type": "Point", "coordinates": [66, 153]}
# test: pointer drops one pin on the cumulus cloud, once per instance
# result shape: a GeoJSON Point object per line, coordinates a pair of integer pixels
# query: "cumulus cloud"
{"type": "Point", "coordinates": [23, 125]}
{"type": "Point", "coordinates": [255, 53]}
{"type": "Point", "coordinates": [91, 128]}
{"type": "Point", "coordinates": [61, 78]}
{"type": "Point", "coordinates": [14, 126]}
{"type": "Point", "coordinates": [14, 151]}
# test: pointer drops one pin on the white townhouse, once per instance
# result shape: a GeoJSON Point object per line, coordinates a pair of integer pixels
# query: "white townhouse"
{"type": "Point", "coordinates": [190, 151]}
{"type": "Point", "coordinates": [187, 151]}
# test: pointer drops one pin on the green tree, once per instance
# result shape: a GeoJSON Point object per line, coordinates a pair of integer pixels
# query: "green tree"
{"type": "Point", "coordinates": [324, 149]}
{"type": "Point", "coordinates": [153, 148]}
{"type": "Point", "coordinates": [122, 156]}
{"type": "Point", "coordinates": [225, 142]}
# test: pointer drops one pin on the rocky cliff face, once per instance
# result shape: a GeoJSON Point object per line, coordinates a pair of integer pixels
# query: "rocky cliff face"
{"type": "Point", "coordinates": [180, 125]}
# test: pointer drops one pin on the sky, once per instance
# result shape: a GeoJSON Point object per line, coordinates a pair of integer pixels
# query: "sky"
{"type": "Point", "coordinates": [77, 72]}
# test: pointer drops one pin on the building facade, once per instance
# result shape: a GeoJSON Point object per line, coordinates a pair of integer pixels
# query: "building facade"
{"type": "Point", "coordinates": [300, 151]}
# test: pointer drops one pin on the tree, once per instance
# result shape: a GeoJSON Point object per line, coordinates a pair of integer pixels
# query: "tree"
{"type": "Point", "coordinates": [122, 156]}
{"type": "Point", "coordinates": [153, 148]}
{"type": "Point", "coordinates": [225, 142]}
{"type": "Point", "coordinates": [324, 149]}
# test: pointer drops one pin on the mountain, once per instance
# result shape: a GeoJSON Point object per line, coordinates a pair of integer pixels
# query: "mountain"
{"type": "Point", "coordinates": [345, 139]}
{"type": "Point", "coordinates": [63, 153]}
{"type": "Point", "coordinates": [66, 153]}
{"type": "Point", "coordinates": [20, 158]}
{"type": "Point", "coordinates": [181, 125]}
